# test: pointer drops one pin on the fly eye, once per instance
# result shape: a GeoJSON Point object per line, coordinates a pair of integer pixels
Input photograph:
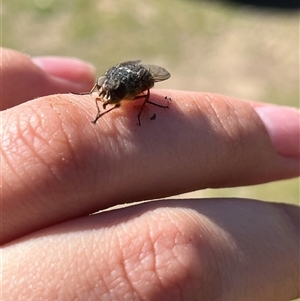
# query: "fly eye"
{"type": "Point", "coordinates": [100, 81]}
{"type": "Point", "coordinates": [120, 91]}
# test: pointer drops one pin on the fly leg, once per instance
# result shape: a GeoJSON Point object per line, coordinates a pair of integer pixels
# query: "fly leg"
{"type": "Point", "coordinates": [142, 107]}
{"type": "Point", "coordinates": [86, 93]}
{"type": "Point", "coordinates": [99, 114]}
{"type": "Point", "coordinates": [148, 101]}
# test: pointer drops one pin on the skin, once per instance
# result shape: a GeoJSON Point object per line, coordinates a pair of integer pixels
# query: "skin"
{"type": "Point", "coordinates": [57, 168]}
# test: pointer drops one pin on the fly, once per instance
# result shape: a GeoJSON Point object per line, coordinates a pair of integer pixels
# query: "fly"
{"type": "Point", "coordinates": [127, 80]}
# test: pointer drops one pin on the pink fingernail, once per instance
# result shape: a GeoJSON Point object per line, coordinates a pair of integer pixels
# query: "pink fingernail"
{"type": "Point", "coordinates": [68, 68]}
{"type": "Point", "coordinates": [283, 127]}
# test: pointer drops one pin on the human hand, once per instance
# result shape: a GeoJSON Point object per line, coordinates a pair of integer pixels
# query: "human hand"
{"type": "Point", "coordinates": [58, 167]}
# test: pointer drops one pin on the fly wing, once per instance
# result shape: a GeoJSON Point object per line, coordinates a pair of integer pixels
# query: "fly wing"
{"type": "Point", "coordinates": [158, 73]}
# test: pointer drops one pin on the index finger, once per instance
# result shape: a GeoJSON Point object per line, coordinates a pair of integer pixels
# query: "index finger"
{"type": "Point", "coordinates": [57, 165]}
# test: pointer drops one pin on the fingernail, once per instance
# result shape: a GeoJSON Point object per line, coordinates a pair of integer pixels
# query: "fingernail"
{"type": "Point", "coordinates": [283, 127]}
{"type": "Point", "coordinates": [68, 68]}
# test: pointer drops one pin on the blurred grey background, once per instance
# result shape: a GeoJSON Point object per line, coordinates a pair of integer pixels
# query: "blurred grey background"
{"type": "Point", "coordinates": [248, 49]}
